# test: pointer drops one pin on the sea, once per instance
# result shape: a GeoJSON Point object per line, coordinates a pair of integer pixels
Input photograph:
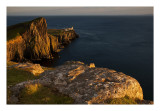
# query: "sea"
{"type": "Point", "coordinates": [122, 43]}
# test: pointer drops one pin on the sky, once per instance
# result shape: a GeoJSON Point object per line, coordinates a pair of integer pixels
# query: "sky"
{"type": "Point", "coordinates": [51, 11]}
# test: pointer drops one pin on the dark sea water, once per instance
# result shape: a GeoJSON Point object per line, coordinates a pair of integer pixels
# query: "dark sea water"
{"type": "Point", "coordinates": [122, 43]}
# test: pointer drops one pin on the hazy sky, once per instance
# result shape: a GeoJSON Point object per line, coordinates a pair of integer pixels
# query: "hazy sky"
{"type": "Point", "coordinates": [79, 11]}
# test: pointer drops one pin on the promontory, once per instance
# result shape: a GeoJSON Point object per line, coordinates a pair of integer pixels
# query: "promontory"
{"type": "Point", "coordinates": [33, 41]}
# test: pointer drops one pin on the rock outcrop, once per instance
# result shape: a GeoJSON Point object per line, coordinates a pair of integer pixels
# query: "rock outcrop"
{"type": "Point", "coordinates": [35, 69]}
{"type": "Point", "coordinates": [31, 41]}
{"type": "Point", "coordinates": [85, 84]}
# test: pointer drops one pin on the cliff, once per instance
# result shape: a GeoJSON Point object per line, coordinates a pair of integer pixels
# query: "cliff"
{"type": "Point", "coordinates": [31, 40]}
{"type": "Point", "coordinates": [85, 84]}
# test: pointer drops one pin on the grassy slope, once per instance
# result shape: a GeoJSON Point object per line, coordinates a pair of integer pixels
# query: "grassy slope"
{"type": "Point", "coordinates": [18, 29]}
{"type": "Point", "coordinates": [15, 76]}
{"type": "Point", "coordinates": [43, 95]}
{"type": "Point", "coordinates": [57, 32]}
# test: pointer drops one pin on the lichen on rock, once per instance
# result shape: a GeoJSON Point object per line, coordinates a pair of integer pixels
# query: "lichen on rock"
{"type": "Point", "coordinates": [87, 85]}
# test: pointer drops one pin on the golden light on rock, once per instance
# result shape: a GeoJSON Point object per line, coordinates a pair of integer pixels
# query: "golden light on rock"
{"type": "Point", "coordinates": [74, 73]}
{"type": "Point", "coordinates": [32, 88]}
{"type": "Point", "coordinates": [92, 65]}
{"type": "Point", "coordinates": [103, 79]}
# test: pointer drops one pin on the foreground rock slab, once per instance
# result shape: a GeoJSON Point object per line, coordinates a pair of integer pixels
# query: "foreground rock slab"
{"type": "Point", "coordinates": [86, 84]}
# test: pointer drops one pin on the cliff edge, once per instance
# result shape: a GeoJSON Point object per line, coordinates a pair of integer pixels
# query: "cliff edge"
{"type": "Point", "coordinates": [85, 84]}
{"type": "Point", "coordinates": [31, 40]}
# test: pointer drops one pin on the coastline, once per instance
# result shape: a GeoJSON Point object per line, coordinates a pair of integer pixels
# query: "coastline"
{"type": "Point", "coordinates": [61, 36]}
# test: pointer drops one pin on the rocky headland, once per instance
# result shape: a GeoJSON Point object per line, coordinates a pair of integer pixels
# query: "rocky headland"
{"type": "Point", "coordinates": [85, 84]}
{"type": "Point", "coordinates": [32, 40]}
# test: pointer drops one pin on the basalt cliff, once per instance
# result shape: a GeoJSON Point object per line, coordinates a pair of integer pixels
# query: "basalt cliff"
{"type": "Point", "coordinates": [33, 41]}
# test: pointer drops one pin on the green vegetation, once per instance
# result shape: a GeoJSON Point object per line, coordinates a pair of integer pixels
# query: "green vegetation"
{"type": "Point", "coordinates": [55, 32]}
{"type": "Point", "coordinates": [37, 19]}
{"type": "Point", "coordinates": [124, 100]}
{"type": "Point", "coordinates": [15, 76]}
{"type": "Point", "coordinates": [16, 30]}
{"type": "Point", "coordinates": [37, 94]}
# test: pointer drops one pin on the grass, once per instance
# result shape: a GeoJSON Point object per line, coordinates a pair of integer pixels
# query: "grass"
{"type": "Point", "coordinates": [33, 94]}
{"type": "Point", "coordinates": [57, 32]}
{"type": "Point", "coordinates": [124, 100]}
{"type": "Point", "coordinates": [18, 29]}
{"type": "Point", "coordinates": [15, 76]}
{"type": "Point", "coordinates": [38, 94]}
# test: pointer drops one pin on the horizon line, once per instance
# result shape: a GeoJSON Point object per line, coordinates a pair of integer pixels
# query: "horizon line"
{"type": "Point", "coordinates": [85, 15]}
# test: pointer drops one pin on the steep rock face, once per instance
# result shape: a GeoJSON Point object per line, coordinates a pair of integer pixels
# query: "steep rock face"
{"type": "Point", "coordinates": [31, 41]}
{"type": "Point", "coordinates": [87, 85]}
{"type": "Point", "coordinates": [15, 48]}
{"type": "Point", "coordinates": [66, 37]}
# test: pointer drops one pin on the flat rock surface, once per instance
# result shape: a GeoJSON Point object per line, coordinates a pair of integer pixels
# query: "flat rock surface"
{"type": "Point", "coordinates": [87, 84]}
